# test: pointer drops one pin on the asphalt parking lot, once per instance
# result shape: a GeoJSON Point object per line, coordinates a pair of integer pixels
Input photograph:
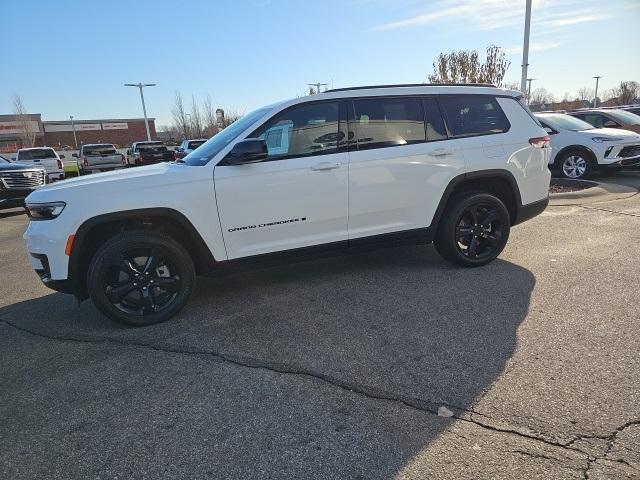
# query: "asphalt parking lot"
{"type": "Point", "coordinates": [381, 365]}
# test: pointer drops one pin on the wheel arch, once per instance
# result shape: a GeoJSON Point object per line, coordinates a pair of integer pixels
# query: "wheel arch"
{"type": "Point", "coordinates": [95, 231]}
{"type": "Point", "coordinates": [499, 182]}
{"type": "Point", "coordinates": [568, 148]}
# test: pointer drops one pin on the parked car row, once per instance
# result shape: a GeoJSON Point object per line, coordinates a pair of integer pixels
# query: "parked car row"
{"type": "Point", "coordinates": [591, 140]}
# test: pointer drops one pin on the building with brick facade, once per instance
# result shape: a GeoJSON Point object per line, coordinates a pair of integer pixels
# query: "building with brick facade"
{"type": "Point", "coordinates": [58, 134]}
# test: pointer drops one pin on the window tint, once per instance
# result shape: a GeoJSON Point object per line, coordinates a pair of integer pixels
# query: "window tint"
{"type": "Point", "coordinates": [38, 154]}
{"type": "Point", "coordinates": [387, 122]}
{"type": "Point", "coordinates": [98, 150]}
{"type": "Point", "coordinates": [435, 124]}
{"type": "Point", "coordinates": [310, 129]}
{"type": "Point", "coordinates": [194, 145]}
{"type": "Point", "coordinates": [469, 115]}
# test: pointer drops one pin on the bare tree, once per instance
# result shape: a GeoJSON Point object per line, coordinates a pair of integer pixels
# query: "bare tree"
{"type": "Point", "coordinates": [230, 116]}
{"type": "Point", "coordinates": [464, 66]}
{"type": "Point", "coordinates": [627, 92]}
{"type": "Point", "coordinates": [512, 85]}
{"type": "Point", "coordinates": [209, 118]}
{"type": "Point", "coordinates": [27, 135]}
{"type": "Point", "coordinates": [540, 96]}
{"type": "Point", "coordinates": [196, 120]}
{"type": "Point", "coordinates": [180, 119]}
{"type": "Point", "coordinates": [312, 91]}
{"type": "Point", "coordinates": [585, 93]}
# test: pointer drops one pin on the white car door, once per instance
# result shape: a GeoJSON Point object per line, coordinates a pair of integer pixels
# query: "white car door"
{"type": "Point", "coordinates": [297, 197]}
{"type": "Point", "coordinates": [397, 173]}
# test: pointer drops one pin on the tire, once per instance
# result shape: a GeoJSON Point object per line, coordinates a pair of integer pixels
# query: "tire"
{"type": "Point", "coordinates": [140, 277]}
{"type": "Point", "coordinates": [575, 164]}
{"type": "Point", "coordinates": [473, 230]}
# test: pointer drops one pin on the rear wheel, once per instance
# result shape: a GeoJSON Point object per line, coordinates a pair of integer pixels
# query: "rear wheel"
{"type": "Point", "coordinates": [474, 229]}
{"type": "Point", "coordinates": [140, 278]}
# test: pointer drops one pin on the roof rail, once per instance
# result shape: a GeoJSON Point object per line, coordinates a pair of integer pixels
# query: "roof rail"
{"type": "Point", "coordinates": [366, 87]}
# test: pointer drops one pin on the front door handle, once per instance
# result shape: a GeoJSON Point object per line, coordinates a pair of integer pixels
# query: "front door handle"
{"type": "Point", "coordinates": [324, 166]}
{"type": "Point", "coordinates": [440, 152]}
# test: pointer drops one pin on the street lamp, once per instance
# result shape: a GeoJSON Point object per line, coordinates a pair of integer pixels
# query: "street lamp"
{"type": "Point", "coordinates": [529, 90]}
{"type": "Point", "coordinates": [73, 127]}
{"type": "Point", "coordinates": [595, 96]}
{"type": "Point", "coordinates": [525, 46]}
{"type": "Point", "coordinates": [144, 109]}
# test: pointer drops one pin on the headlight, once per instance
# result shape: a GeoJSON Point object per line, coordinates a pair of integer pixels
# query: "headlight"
{"type": "Point", "coordinates": [606, 139]}
{"type": "Point", "coordinates": [44, 211]}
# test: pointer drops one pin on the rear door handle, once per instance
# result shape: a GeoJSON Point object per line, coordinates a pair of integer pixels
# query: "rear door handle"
{"type": "Point", "coordinates": [325, 166]}
{"type": "Point", "coordinates": [440, 152]}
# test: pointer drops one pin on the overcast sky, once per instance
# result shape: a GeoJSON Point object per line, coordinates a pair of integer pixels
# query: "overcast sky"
{"type": "Point", "coordinates": [72, 57]}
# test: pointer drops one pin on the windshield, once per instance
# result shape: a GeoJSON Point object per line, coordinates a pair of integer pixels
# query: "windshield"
{"type": "Point", "coordinates": [213, 146]}
{"type": "Point", "coordinates": [99, 150]}
{"type": "Point", "coordinates": [625, 117]}
{"type": "Point", "coordinates": [38, 154]}
{"type": "Point", "coordinates": [567, 122]}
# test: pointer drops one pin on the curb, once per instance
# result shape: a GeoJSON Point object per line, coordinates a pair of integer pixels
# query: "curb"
{"type": "Point", "coordinates": [601, 192]}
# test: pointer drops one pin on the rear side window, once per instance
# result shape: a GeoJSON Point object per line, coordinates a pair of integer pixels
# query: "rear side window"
{"type": "Point", "coordinates": [98, 150]}
{"type": "Point", "coordinates": [38, 154]}
{"type": "Point", "coordinates": [387, 122]}
{"type": "Point", "coordinates": [471, 115]}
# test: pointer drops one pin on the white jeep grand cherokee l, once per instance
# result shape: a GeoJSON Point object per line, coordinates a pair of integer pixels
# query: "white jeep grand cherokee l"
{"type": "Point", "coordinates": [450, 164]}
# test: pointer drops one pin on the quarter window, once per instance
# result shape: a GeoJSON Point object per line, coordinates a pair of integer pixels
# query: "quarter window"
{"type": "Point", "coordinates": [388, 122]}
{"type": "Point", "coordinates": [310, 129]}
{"type": "Point", "coordinates": [470, 115]}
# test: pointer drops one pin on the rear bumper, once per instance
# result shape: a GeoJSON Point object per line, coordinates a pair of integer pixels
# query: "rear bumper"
{"type": "Point", "coordinates": [103, 168]}
{"type": "Point", "coordinates": [527, 212]}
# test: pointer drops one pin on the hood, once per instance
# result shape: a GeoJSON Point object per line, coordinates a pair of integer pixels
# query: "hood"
{"type": "Point", "coordinates": [19, 166]}
{"type": "Point", "coordinates": [103, 186]}
{"type": "Point", "coordinates": [611, 132]}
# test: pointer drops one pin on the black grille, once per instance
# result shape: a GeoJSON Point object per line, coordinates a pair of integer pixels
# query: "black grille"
{"type": "Point", "coordinates": [22, 178]}
{"type": "Point", "coordinates": [631, 151]}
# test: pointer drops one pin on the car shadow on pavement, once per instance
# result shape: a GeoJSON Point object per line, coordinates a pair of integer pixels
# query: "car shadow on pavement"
{"type": "Point", "coordinates": [397, 324]}
{"type": "Point", "coordinates": [12, 213]}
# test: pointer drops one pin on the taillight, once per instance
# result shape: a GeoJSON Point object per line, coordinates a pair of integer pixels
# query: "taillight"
{"type": "Point", "coordinates": [540, 142]}
{"type": "Point", "coordinates": [141, 157]}
{"type": "Point", "coordinates": [124, 160]}
{"type": "Point", "coordinates": [174, 155]}
{"type": "Point", "coordinates": [60, 164]}
{"type": "Point", "coordinates": [85, 162]}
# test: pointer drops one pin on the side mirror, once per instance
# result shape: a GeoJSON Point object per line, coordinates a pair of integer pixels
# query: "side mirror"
{"type": "Point", "coordinates": [179, 149]}
{"type": "Point", "coordinates": [548, 130]}
{"type": "Point", "coordinates": [610, 124]}
{"type": "Point", "coordinates": [13, 159]}
{"type": "Point", "coordinates": [250, 150]}
{"type": "Point", "coordinates": [128, 151]}
{"type": "Point", "coordinates": [74, 155]}
{"type": "Point", "coordinates": [61, 156]}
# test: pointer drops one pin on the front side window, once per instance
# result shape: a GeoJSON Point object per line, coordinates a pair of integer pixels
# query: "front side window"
{"type": "Point", "coordinates": [594, 119]}
{"type": "Point", "coordinates": [310, 129]}
{"type": "Point", "coordinates": [471, 115]}
{"type": "Point", "coordinates": [388, 122]}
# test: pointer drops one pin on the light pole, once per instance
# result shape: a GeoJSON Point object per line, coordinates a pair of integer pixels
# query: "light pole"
{"type": "Point", "coordinates": [529, 89]}
{"type": "Point", "coordinates": [317, 85]}
{"type": "Point", "coordinates": [73, 127]}
{"type": "Point", "coordinates": [595, 96]}
{"type": "Point", "coordinates": [525, 47]}
{"type": "Point", "coordinates": [144, 109]}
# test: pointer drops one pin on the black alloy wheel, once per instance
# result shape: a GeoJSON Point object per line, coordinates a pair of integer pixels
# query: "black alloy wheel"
{"type": "Point", "coordinates": [473, 230]}
{"type": "Point", "coordinates": [140, 277]}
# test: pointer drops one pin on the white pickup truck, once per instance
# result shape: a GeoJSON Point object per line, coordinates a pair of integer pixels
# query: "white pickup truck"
{"type": "Point", "coordinates": [45, 157]}
{"type": "Point", "coordinates": [100, 157]}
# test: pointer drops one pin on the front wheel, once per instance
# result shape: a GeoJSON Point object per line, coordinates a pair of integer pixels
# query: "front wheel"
{"type": "Point", "coordinates": [140, 277]}
{"type": "Point", "coordinates": [474, 229]}
{"type": "Point", "coordinates": [575, 164]}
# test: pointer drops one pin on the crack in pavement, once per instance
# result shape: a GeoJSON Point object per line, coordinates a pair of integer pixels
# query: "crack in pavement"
{"type": "Point", "coordinates": [585, 207]}
{"type": "Point", "coordinates": [369, 392]}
